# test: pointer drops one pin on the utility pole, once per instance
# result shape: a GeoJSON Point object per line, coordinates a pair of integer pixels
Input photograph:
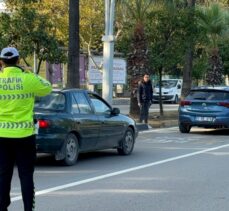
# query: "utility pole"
{"type": "Point", "coordinates": [108, 51]}
{"type": "Point", "coordinates": [34, 61]}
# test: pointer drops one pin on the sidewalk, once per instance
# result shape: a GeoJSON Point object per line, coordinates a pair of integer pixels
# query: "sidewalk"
{"type": "Point", "coordinates": [170, 118]}
{"type": "Point", "coordinates": [121, 101]}
{"type": "Point", "coordinates": [157, 124]}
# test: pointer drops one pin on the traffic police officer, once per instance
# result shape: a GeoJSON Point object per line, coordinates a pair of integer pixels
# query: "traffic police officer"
{"type": "Point", "coordinates": [18, 89]}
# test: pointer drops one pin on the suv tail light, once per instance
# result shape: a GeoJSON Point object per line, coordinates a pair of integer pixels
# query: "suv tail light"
{"type": "Point", "coordinates": [185, 103]}
{"type": "Point", "coordinates": [224, 104]}
{"type": "Point", "coordinates": [43, 123]}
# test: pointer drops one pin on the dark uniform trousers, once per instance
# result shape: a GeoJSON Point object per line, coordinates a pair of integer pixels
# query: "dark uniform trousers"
{"type": "Point", "coordinates": [22, 152]}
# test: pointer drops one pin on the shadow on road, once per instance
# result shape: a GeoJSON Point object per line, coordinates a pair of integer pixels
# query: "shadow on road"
{"type": "Point", "coordinates": [211, 132]}
{"type": "Point", "coordinates": [49, 160]}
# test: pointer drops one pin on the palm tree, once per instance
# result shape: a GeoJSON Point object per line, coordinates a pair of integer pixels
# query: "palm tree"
{"type": "Point", "coordinates": [138, 58]}
{"type": "Point", "coordinates": [73, 77]}
{"type": "Point", "coordinates": [187, 73]}
{"type": "Point", "coordinates": [213, 22]}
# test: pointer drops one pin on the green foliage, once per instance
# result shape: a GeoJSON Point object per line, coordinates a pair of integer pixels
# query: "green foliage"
{"type": "Point", "coordinates": [123, 43]}
{"type": "Point", "coordinates": [4, 30]}
{"type": "Point", "coordinates": [91, 25]}
{"type": "Point", "coordinates": [224, 53]}
{"type": "Point", "coordinates": [199, 67]}
{"type": "Point", "coordinates": [212, 20]}
{"type": "Point", "coordinates": [42, 25]}
{"type": "Point", "coordinates": [138, 56]}
{"type": "Point", "coordinates": [124, 26]}
{"type": "Point", "coordinates": [137, 10]}
{"type": "Point", "coordinates": [30, 31]}
{"type": "Point", "coordinates": [166, 31]}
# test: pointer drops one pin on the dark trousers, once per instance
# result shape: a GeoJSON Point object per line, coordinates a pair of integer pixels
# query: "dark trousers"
{"type": "Point", "coordinates": [20, 151]}
{"type": "Point", "coordinates": [144, 111]}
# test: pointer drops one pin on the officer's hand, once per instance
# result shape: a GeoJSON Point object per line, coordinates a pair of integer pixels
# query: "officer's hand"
{"type": "Point", "coordinates": [139, 104]}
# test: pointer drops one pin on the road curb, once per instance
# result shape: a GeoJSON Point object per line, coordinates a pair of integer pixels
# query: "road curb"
{"type": "Point", "coordinates": [157, 129]}
{"type": "Point", "coordinates": [157, 124]}
{"type": "Point", "coordinates": [143, 126]}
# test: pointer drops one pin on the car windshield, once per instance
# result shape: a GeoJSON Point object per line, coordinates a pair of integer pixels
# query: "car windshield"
{"type": "Point", "coordinates": [53, 101]}
{"type": "Point", "coordinates": [168, 83]}
{"type": "Point", "coordinates": [208, 95]}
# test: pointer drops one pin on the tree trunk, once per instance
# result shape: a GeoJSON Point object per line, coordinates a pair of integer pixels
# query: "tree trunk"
{"type": "Point", "coordinates": [39, 66]}
{"type": "Point", "coordinates": [137, 64]}
{"type": "Point", "coordinates": [28, 65]}
{"type": "Point", "coordinates": [160, 95]}
{"type": "Point", "coordinates": [73, 76]}
{"type": "Point", "coordinates": [187, 73]}
{"type": "Point", "coordinates": [134, 108]}
{"type": "Point", "coordinates": [215, 69]}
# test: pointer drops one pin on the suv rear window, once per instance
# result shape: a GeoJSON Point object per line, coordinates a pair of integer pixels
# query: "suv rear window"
{"type": "Point", "coordinates": [208, 95]}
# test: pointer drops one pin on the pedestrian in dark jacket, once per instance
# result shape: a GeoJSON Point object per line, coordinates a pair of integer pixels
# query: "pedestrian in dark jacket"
{"type": "Point", "coordinates": [145, 97]}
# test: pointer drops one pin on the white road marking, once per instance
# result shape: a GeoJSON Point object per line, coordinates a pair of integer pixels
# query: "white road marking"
{"type": "Point", "coordinates": [158, 130]}
{"type": "Point", "coordinates": [93, 179]}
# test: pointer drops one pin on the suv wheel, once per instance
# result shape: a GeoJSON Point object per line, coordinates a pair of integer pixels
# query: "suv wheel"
{"type": "Point", "coordinates": [184, 128]}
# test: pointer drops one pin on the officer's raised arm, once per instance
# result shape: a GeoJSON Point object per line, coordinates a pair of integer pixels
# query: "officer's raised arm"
{"type": "Point", "coordinates": [40, 86]}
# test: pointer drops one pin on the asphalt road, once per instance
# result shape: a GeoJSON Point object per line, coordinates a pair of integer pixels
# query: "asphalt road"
{"type": "Point", "coordinates": [124, 109]}
{"type": "Point", "coordinates": [167, 171]}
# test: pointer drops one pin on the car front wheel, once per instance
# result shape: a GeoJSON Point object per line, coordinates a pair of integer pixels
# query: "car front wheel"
{"type": "Point", "coordinates": [184, 128]}
{"type": "Point", "coordinates": [71, 150]}
{"type": "Point", "coordinates": [127, 143]}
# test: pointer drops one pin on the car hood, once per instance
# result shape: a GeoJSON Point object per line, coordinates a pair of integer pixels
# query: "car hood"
{"type": "Point", "coordinates": [164, 89]}
{"type": "Point", "coordinates": [128, 119]}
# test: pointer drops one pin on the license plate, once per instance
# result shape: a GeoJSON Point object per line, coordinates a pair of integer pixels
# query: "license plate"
{"type": "Point", "coordinates": [205, 119]}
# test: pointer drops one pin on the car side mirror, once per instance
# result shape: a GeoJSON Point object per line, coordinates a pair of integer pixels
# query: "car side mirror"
{"type": "Point", "coordinates": [115, 111]}
{"type": "Point", "coordinates": [178, 86]}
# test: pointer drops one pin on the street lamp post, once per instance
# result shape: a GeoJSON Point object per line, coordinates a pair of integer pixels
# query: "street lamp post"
{"type": "Point", "coordinates": [34, 61]}
{"type": "Point", "coordinates": [108, 51]}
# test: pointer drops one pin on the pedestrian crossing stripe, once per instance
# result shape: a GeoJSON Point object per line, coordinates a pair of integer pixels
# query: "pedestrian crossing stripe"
{"type": "Point", "coordinates": [16, 96]}
{"type": "Point", "coordinates": [16, 125]}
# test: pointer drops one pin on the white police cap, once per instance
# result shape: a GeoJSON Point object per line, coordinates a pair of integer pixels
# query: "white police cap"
{"type": "Point", "coordinates": [9, 53]}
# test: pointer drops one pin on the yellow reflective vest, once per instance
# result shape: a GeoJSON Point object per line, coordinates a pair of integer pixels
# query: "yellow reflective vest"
{"type": "Point", "coordinates": [17, 93]}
